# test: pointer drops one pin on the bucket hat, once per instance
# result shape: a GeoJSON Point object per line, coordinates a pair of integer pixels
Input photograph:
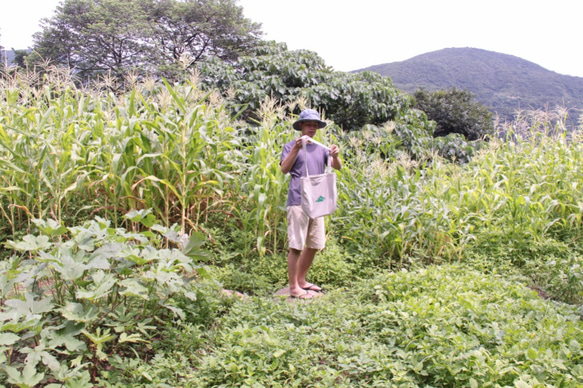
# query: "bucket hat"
{"type": "Point", "coordinates": [309, 115]}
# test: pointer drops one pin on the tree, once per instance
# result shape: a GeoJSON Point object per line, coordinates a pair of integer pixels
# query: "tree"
{"type": "Point", "coordinates": [200, 29]}
{"type": "Point", "coordinates": [455, 111]}
{"type": "Point", "coordinates": [272, 71]}
{"type": "Point", "coordinates": [20, 58]}
{"type": "Point", "coordinates": [150, 36]}
{"type": "Point", "coordinates": [96, 36]}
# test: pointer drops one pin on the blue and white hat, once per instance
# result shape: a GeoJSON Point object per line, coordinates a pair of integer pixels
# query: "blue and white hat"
{"type": "Point", "coordinates": [309, 115]}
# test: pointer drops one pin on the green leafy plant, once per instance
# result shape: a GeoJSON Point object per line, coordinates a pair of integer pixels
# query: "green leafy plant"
{"type": "Point", "coordinates": [74, 297]}
{"type": "Point", "coordinates": [439, 326]}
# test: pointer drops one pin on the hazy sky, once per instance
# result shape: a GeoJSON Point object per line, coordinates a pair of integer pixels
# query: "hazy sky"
{"type": "Point", "coordinates": [357, 34]}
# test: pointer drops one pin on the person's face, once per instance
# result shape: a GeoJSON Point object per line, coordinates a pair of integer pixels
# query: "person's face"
{"type": "Point", "coordinates": [309, 128]}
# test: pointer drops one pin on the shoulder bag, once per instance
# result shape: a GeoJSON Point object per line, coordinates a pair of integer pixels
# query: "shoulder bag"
{"type": "Point", "coordinates": [319, 194]}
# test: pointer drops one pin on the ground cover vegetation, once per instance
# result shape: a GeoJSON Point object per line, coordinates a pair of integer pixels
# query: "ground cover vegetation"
{"type": "Point", "coordinates": [125, 216]}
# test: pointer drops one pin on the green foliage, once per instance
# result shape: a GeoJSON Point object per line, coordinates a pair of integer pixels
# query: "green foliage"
{"type": "Point", "coordinates": [147, 36]}
{"type": "Point", "coordinates": [77, 301]}
{"type": "Point", "coordinates": [263, 212]}
{"type": "Point", "coordinates": [454, 111]}
{"type": "Point", "coordinates": [514, 192]}
{"type": "Point", "coordinates": [441, 326]}
{"type": "Point", "coordinates": [176, 151]}
{"type": "Point", "coordinates": [251, 280]}
{"type": "Point", "coordinates": [560, 277]}
{"type": "Point", "coordinates": [454, 147]}
{"type": "Point", "coordinates": [83, 152]}
{"type": "Point", "coordinates": [271, 71]}
{"type": "Point", "coordinates": [335, 267]}
{"type": "Point", "coordinates": [397, 216]}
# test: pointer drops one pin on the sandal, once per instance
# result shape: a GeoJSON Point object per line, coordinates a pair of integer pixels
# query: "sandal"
{"type": "Point", "coordinates": [305, 295]}
{"type": "Point", "coordinates": [312, 287]}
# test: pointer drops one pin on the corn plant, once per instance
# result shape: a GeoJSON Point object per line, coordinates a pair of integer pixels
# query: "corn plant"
{"type": "Point", "coordinates": [263, 211]}
{"type": "Point", "coordinates": [387, 205]}
{"type": "Point", "coordinates": [41, 143]}
{"type": "Point", "coordinates": [529, 190]}
{"type": "Point", "coordinates": [263, 215]}
{"type": "Point", "coordinates": [109, 154]}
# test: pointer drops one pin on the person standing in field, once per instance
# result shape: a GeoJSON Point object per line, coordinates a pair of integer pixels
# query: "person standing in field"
{"type": "Point", "coordinates": [306, 236]}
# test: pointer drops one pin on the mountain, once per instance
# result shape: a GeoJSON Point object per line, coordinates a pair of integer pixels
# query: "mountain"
{"type": "Point", "coordinates": [504, 83]}
{"type": "Point", "coordinates": [7, 57]}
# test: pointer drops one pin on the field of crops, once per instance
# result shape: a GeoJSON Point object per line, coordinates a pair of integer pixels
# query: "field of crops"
{"type": "Point", "coordinates": [124, 217]}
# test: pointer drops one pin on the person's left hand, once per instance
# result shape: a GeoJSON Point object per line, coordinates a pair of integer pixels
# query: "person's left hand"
{"type": "Point", "coordinates": [334, 151]}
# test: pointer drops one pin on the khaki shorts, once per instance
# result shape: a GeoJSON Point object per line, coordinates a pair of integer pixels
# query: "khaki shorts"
{"type": "Point", "coordinates": [303, 231]}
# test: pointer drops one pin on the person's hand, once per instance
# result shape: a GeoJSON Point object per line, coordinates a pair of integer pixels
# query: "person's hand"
{"type": "Point", "coordinates": [334, 151]}
{"type": "Point", "coordinates": [299, 143]}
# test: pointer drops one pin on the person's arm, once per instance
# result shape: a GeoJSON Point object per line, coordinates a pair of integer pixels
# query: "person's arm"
{"type": "Point", "coordinates": [335, 154]}
{"type": "Point", "coordinates": [290, 159]}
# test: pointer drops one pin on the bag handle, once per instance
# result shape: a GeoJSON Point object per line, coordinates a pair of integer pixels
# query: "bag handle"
{"type": "Point", "coordinates": [305, 140]}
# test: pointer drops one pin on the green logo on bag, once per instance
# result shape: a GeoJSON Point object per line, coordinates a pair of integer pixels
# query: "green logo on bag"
{"type": "Point", "coordinates": [321, 199]}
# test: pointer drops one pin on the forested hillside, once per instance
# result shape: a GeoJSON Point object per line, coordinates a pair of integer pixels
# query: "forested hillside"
{"type": "Point", "coordinates": [505, 83]}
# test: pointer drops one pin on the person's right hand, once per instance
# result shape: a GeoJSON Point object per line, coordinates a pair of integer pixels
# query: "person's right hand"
{"type": "Point", "coordinates": [299, 143]}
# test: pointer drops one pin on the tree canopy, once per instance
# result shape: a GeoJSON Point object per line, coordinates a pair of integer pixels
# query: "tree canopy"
{"type": "Point", "coordinates": [455, 111]}
{"type": "Point", "coordinates": [156, 37]}
{"type": "Point", "coordinates": [272, 71]}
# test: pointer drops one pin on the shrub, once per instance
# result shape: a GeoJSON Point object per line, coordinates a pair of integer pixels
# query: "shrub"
{"type": "Point", "coordinates": [78, 301]}
{"type": "Point", "coordinates": [454, 111]}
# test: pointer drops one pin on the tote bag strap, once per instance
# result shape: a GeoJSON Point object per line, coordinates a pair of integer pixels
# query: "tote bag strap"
{"type": "Point", "coordinates": [305, 140]}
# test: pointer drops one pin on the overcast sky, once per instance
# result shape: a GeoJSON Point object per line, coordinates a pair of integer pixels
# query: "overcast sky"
{"type": "Point", "coordinates": [357, 34]}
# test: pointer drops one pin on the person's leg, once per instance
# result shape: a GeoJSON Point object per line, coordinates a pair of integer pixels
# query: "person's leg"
{"type": "Point", "coordinates": [315, 241]}
{"type": "Point", "coordinates": [297, 230]}
{"type": "Point", "coordinates": [294, 267]}
{"type": "Point", "coordinates": [304, 263]}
